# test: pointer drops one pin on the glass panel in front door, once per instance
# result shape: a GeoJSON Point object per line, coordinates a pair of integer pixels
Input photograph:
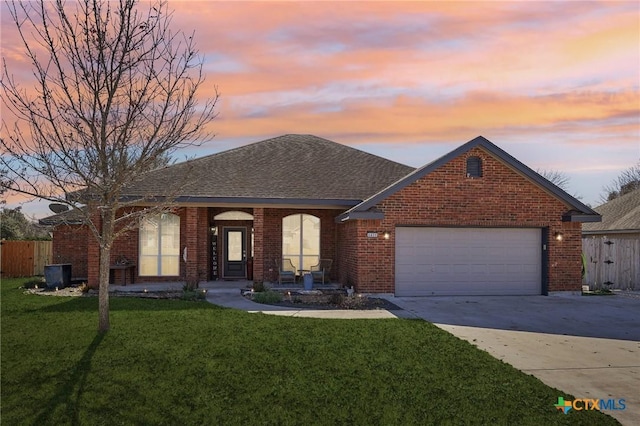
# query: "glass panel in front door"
{"type": "Point", "coordinates": [234, 246]}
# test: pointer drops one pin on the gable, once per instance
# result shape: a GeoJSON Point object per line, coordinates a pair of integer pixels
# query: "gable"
{"type": "Point", "coordinates": [449, 173]}
{"type": "Point", "coordinates": [449, 195]}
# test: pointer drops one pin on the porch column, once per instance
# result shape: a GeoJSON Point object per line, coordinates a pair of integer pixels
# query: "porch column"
{"type": "Point", "coordinates": [190, 243]}
{"type": "Point", "coordinates": [258, 244]}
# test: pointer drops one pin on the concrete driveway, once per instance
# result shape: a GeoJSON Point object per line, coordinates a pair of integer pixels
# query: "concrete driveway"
{"type": "Point", "coordinates": [586, 346]}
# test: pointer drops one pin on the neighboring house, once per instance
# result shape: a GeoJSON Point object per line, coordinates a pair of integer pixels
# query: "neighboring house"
{"type": "Point", "coordinates": [612, 247]}
{"type": "Point", "coordinates": [475, 221]}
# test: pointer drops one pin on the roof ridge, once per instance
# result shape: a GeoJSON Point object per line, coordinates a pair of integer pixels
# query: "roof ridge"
{"type": "Point", "coordinates": [293, 166]}
{"type": "Point", "coordinates": [620, 199]}
{"type": "Point", "coordinates": [284, 136]}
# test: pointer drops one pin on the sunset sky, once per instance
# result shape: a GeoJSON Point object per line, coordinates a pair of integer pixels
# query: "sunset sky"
{"type": "Point", "coordinates": [554, 83]}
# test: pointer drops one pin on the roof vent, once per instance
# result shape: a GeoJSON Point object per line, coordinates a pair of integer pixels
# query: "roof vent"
{"type": "Point", "coordinates": [474, 167]}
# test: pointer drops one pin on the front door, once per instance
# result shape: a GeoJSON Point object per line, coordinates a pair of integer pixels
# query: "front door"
{"type": "Point", "coordinates": [235, 253]}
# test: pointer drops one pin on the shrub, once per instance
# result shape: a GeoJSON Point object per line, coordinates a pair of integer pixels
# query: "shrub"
{"type": "Point", "coordinates": [267, 297]}
{"type": "Point", "coordinates": [193, 295]}
{"type": "Point", "coordinates": [190, 284]}
{"type": "Point", "coordinates": [258, 286]}
{"type": "Point", "coordinates": [599, 292]}
{"type": "Point", "coordinates": [336, 299]}
{"type": "Point", "coordinates": [33, 282]}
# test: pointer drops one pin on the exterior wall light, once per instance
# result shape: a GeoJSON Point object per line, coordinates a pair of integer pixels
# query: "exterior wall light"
{"type": "Point", "coordinates": [558, 236]}
{"type": "Point", "coordinates": [386, 235]}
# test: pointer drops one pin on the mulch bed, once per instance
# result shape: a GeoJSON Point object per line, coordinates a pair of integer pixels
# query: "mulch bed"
{"type": "Point", "coordinates": [77, 292]}
{"type": "Point", "coordinates": [329, 299]}
{"type": "Point", "coordinates": [295, 301]}
{"type": "Point", "coordinates": [369, 303]}
{"type": "Point", "coordinates": [144, 295]}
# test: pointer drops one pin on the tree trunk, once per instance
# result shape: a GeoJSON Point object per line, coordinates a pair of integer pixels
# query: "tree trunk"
{"type": "Point", "coordinates": [103, 290]}
{"type": "Point", "coordinates": [105, 261]}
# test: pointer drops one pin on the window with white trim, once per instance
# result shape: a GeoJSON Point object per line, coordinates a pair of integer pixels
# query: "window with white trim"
{"type": "Point", "coordinates": [301, 240]}
{"type": "Point", "coordinates": [160, 245]}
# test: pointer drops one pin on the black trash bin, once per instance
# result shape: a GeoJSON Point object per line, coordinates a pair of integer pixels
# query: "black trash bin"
{"type": "Point", "coordinates": [58, 275]}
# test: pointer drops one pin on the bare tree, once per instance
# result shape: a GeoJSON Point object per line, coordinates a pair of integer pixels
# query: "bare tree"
{"type": "Point", "coordinates": [627, 181]}
{"type": "Point", "coordinates": [3, 187]}
{"type": "Point", "coordinates": [114, 95]}
{"type": "Point", "coordinates": [558, 178]}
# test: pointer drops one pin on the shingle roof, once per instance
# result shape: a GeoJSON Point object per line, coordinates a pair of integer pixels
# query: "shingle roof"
{"type": "Point", "coordinates": [70, 217]}
{"type": "Point", "coordinates": [289, 167]}
{"type": "Point", "coordinates": [618, 215]}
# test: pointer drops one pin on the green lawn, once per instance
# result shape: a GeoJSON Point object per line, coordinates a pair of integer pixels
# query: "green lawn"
{"type": "Point", "coordinates": [179, 362]}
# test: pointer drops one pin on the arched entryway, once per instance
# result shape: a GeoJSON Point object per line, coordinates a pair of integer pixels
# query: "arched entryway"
{"type": "Point", "coordinates": [232, 245]}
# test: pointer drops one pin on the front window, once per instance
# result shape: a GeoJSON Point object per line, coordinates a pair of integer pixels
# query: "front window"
{"type": "Point", "coordinates": [301, 240]}
{"type": "Point", "coordinates": [160, 245]}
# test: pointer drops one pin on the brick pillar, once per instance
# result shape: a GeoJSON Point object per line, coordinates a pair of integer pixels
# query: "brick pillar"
{"type": "Point", "coordinates": [203, 242]}
{"type": "Point", "coordinates": [191, 243]}
{"type": "Point", "coordinates": [258, 244]}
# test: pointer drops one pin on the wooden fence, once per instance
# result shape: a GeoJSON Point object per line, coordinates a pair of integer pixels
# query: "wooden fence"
{"type": "Point", "coordinates": [24, 258]}
{"type": "Point", "coordinates": [612, 261]}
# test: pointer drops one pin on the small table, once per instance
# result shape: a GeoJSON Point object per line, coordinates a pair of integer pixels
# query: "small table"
{"type": "Point", "coordinates": [124, 268]}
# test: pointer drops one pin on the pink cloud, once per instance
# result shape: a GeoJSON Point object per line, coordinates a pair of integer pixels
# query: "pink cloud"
{"type": "Point", "coordinates": [416, 72]}
{"type": "Point", "coordinates": [411, 119]}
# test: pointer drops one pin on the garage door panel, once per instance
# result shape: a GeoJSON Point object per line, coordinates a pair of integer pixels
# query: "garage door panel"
{"type": "Point", "coordinates": [468, 261]}
{"type": "Point", "coordinates": [405, 253]}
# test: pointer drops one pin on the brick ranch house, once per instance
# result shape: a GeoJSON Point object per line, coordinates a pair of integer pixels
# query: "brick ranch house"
{"type": "Point", "coordinates": [473, 222]}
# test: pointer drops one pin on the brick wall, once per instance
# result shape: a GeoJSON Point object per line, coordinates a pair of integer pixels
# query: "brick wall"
{"type": "Point", "coordinates": [195, 236]}
{"type": "Point", "coordinates": [446, 197]}
{"type": "Point", "coordinates": [348, 253]}
{"type": "Point", "coordinates": [128, 244]}
{"type": "Point", "coordinates": [70, 246]}
{"type": "Point", "coordinates": [272, 238]}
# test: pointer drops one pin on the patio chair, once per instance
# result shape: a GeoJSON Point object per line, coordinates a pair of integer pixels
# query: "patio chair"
{"type": "Point", "coordinates": [322, 270]}
{"type": "Point", "coordinates": [286, 271]}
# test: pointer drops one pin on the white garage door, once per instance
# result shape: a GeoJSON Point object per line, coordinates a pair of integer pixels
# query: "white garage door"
{"type": "Point", "coordinates": [468, 261]}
